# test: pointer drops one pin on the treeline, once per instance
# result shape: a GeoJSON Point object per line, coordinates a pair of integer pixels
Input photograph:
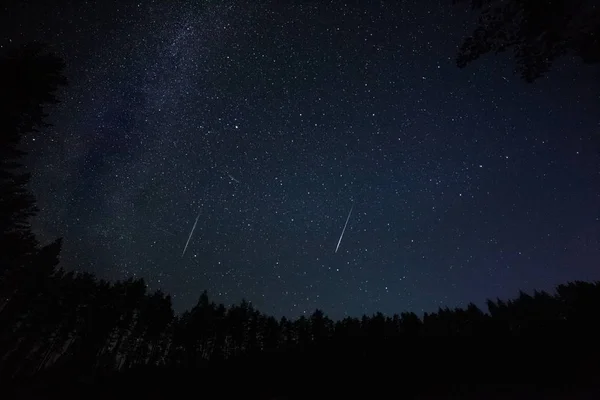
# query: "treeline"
{"type": "Point", "coordinates": [84, 328]}
{"type": "Point", "coordinates": [73, 321]}
{"type": "Point", "coordinates": [62, 327]}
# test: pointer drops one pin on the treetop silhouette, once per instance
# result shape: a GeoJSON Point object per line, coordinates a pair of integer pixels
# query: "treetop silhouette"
{"type": "Point", "coordinates": [537, 32]}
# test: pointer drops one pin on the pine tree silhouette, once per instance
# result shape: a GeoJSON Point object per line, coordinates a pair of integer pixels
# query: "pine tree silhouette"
{"type": "Point", "coordinates": [537, 32]}
{"type": "Point", "coordinates": [29, 78]}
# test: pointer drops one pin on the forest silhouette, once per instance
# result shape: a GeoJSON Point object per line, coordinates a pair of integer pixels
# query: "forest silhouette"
{"type": "Point", "coordinates": [66, 333]}
{"type": "Point", "coordinates": [537, 33]}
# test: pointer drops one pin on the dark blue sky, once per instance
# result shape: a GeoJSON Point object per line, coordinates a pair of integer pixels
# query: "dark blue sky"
{"type": "Point", "coordinates": [465, 184]}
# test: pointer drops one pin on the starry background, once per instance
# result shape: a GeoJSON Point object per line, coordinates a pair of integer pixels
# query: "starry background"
{"type": "Point", "coordinates": [465, 184]}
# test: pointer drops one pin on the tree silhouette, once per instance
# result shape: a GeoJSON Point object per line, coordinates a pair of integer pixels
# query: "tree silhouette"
{"type": "Point", "coordinates": [81, 326]}
{"type": "Point", "coordinates": [29, 77]}
{"type": "Point", "coordinates": [537, 32]}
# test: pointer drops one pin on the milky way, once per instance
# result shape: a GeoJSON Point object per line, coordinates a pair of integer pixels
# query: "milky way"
{"type": "Point", "coordinates": [467, 183]}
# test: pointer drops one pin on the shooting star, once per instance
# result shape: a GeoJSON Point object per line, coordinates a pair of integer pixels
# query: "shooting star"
{"type": "Point", "coordinates": [344, 230]}
{"type": "Point", "coordinates": [189, 237]}
{"type": "Point", "coordinates": [232, 178]}
{"type": "Point", "coordinates": [163, 230]}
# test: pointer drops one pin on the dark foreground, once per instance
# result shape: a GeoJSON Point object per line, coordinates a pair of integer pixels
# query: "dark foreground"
{"type": "Point", "coordinates": [548, 368]}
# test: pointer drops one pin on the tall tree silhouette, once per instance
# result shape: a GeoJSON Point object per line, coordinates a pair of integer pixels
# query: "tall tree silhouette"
{"type": "Point", "coordinates": [29, 77]}
{"type": "Point", "coordinates": [537, 32]}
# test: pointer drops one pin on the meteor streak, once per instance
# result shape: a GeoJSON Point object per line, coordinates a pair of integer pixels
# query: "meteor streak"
{"type": "Point", "coordinates": [164, 230]}
{"type": "Point", "coordinates": [233, 179]}
{"type": "Point", "coordinates": [189, 237]}
{"type": "Point", "coordinates": [344, 230]}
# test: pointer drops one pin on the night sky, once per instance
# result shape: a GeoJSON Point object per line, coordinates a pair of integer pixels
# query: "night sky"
{"type": "Point", "coordinates": [269, 122]}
